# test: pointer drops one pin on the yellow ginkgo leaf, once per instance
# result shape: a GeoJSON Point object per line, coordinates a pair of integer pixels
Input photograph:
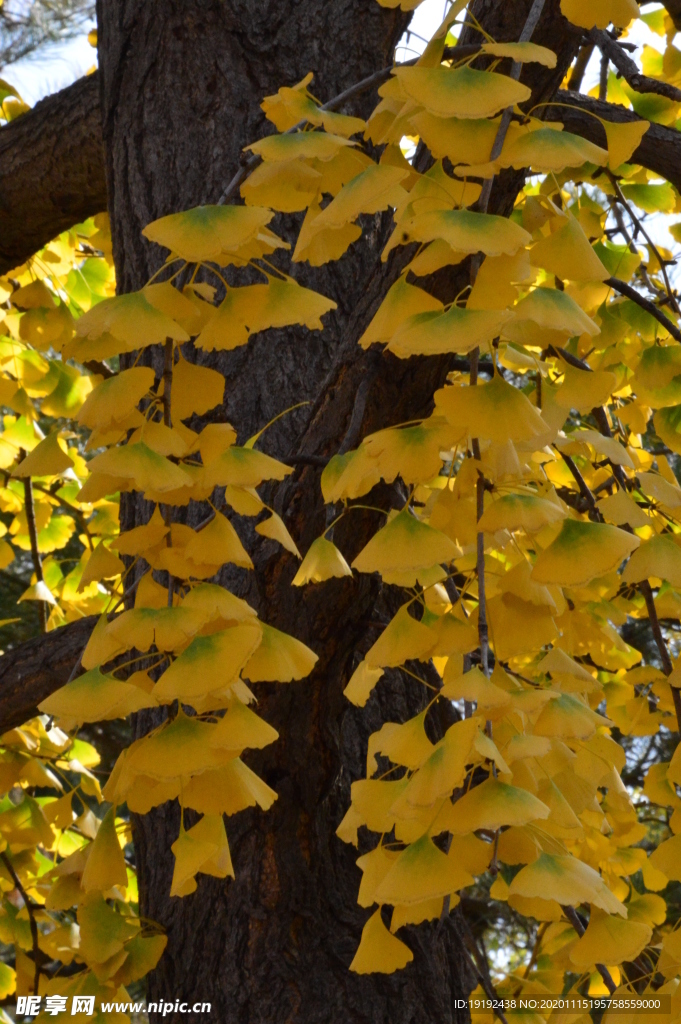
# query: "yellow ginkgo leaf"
{"type": "Point", "coordinates": [287, 185]}
{"type": "Point", "coordinates": [668, 427]}
{"type": "Point", "coordinates": [667, 858]}
{"type": "Point", "coordinates": [474, 686]}
{"type": "Point", "coordinates": [457, 330]}
{"type": "Point", "coordinates": [581, 552]}
{"type": "Point", "coordinates": [405, 744]}
{"type": "Point", "coordinates": [584, 390]}
{"type": "Point", "coordinates": [141, 538]}
{"type": "Point", "coordinates": [496, 411]}
{"type": "Point", "coordinates": [379, 952]}
{"type": "Point", "coordinates": [319, 246]}
{"type": "Point", "coordinates": [47, 459]}
{"type": "Point", "coordinates": [103, 931]}
{"type": "Point", "coordinates": [211, 829]}
{"type": "Point", "coordinates": [405, 543]}
{"type": "Point", "coordinates": [113, 399]}
{"type": "Point", "coordinates": [252, 308]}
{"type": "Point", "coordinates": [180, 747]}
{"type": "Point", "coordinates": [567, 716]}
{"type": "Point", "coordinates": [496, 280]}
{"type": "Point", "coordinates": [567, 880]}
{"type": "Point", "coordinates": [275, 528]}
{"type": "Point", "coordinates": [374, 189]}
{"type": "Point", "coordinates": [403, 639]}
{"type": "Point", "coordinates": [242, 728]}
{"type": "Point", "coordinates": [207, 232]}
{"type": "Point", "coordinates": [102, 565]}
{"type": "Point", "coordinates": [105, 864]}
{"type": "Point", "coordinates": [228, 789]}
{"type": "Point", "coordinates": [599, 13]}
{"type": "Point", "coordinates": [560, 664]}
{"type": "Point", "coordinates": [191, 854]}
{"type": "Point", "coordinates": [556, 310]}
{"type": "Point", "coordinates": [567, 254]}
{"type": "Point", "coordinates": [659, 557]}
{"type": "Point", "coordinates": [211, 602]}
{"type": "Point", "coordinates": [209, 663]}
{"type": "Point", "coordinates": [526, 512]}
{"type": "Point", "coordinates": [608, 939]}
{"type": "Point", "coordinates": [218, 543]}
{"type": "Point", "coordinates": [444, 770]}
{"type": "Point", "coordinates": [142, 468]}
{"type": "Point", "coordinates": [372, 800]}
{"type": "Point", "coordinates": [244, 467]}
{"type": "Point", "coordinates": [279, 658]}
{"type": "Point", "coordinates": [648, 907]}
{"type": "Point", "coordinates": [624, 138]}
{"type": "Point", "coordinates": [422, 872]}
{"type": "Point", "coordinates": [322, 562]}
{"type": "Point", "coordinates": [195, 389]}
{"type": "Point", "coordinates": [169, 628]}
{"type": "Point", "coordinates": [131, 319]}
{"type": "Point", "coordinates": [465, 231]}
{"type": "Point", "coordinates": [361, 683]}
{"type": "Point", "coordinates": [523, 53]}
{"type": "Point", "coordinates": [402, 301]}
{"type": "Point", "coordinates": [308, 145]}
{"type": "Point", "coordinates": [461, 92]}
{"type": "Point", "coordinates": [96, 697]}
{"type": "Point", "coordinates": [493, 804]}
{"type": "Point", "coordinates": [412, 453]}
{"type": "Point", "coordinates": [549, 151]}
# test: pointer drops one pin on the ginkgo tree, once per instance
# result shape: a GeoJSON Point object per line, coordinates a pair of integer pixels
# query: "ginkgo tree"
{"type": "Point", "coordinates": [354, 489]}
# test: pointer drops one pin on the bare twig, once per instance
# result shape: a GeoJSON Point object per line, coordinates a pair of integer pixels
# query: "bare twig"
{"type": "Point", "coordinates": [650, 307]}
{"type": "Point", "coordinates": [628, 68]}
{"type": "Point", "coordinates": [516, 67]}
{"type": "Point", "coordinates": [641, 227]}
{"type": "Point", "coordinates": [31, 907]}
{"type": "Point", "coordinates": [35, 553]}
{"type": "Point", "coordinates": [577, 74]}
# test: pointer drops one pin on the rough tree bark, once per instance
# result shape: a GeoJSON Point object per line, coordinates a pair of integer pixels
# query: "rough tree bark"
{"type": "Point", "coordinates": [181, 84]}
{"type": "Point", "coordinates": [181, 87]}
{"type": "Point", "coordinates": [51, 170]}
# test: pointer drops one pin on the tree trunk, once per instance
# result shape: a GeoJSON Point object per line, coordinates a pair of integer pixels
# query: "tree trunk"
{"type": "Point", "coordinates": [181, 86]}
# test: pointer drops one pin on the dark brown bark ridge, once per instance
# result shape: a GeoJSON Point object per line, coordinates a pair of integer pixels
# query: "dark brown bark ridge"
{"type": "Point", "coordinates": [51, 170]}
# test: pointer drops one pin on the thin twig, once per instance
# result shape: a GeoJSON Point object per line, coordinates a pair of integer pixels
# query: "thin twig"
{"type": "Point", "coordinates": [603, 78]}
{"type": "Point", "coordinates": [483, 629]}
{"type": "Point", "coordinates": [577, 74]}
{"type": "Point", "coordinates": [31, 907]}
{"type": "Point", "coordinates": [650, 307]}
{"type": "Point", "coordinates": [516, 67]}
{"type": "Point", "coordinates": [639, 224]}
{"type": "Point", "coordinates": [35, 553]}
{"type": "Point", "coordinates": [628, 68]}
{"type": "Point", "coordinates": [582, 484]}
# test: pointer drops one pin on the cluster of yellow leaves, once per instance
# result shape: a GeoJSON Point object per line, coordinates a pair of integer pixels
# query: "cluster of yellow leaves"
{"type": "Point", "coordinates": [534, 507]}
{"type": "Point", "coordinates": [577, 518]}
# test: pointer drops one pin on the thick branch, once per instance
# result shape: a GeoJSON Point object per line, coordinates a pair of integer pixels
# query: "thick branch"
{"type": "Point", "coordinates": [32, 671]}
{"type": "Point", "coordinates": [660, 148]}
{"type": "Point", "coordinates": [51, 170]}
{"type": "Point", "coordinates": [628, 68]}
